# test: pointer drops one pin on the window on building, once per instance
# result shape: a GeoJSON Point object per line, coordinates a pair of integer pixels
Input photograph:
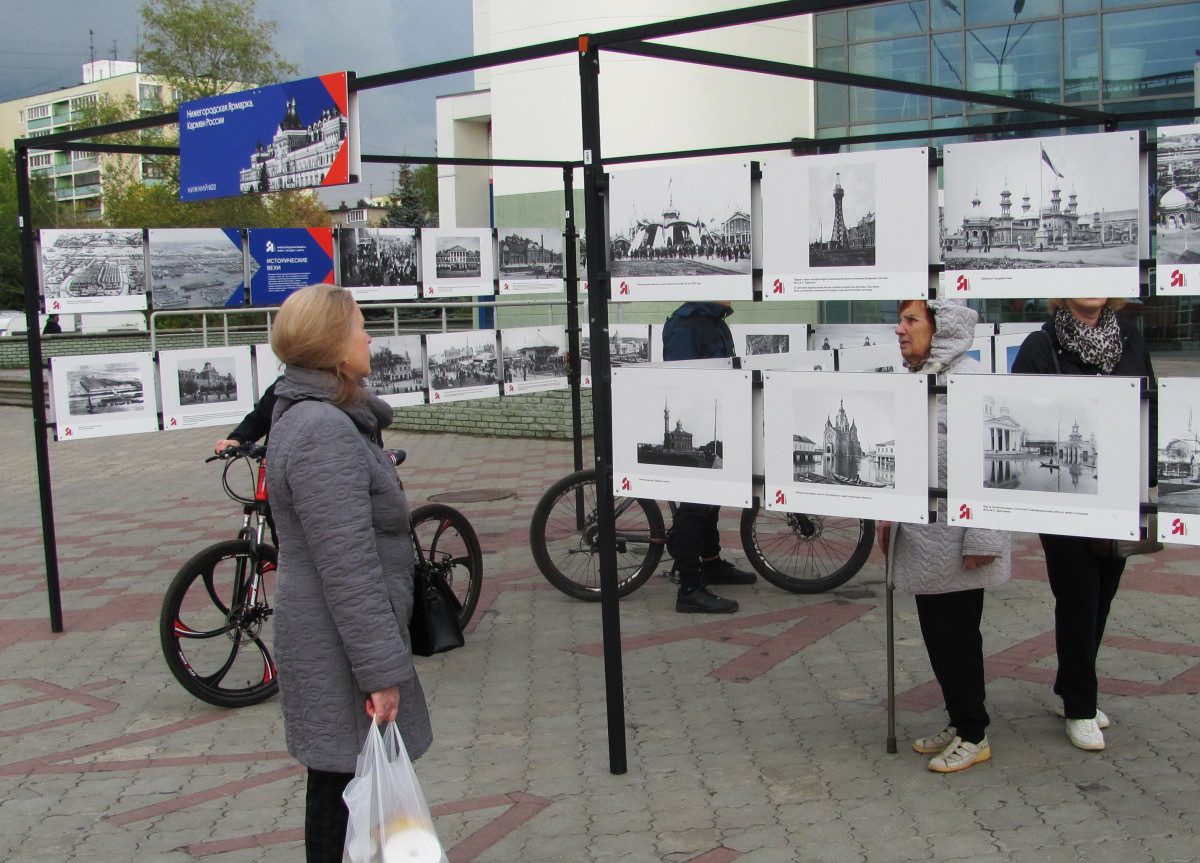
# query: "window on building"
{"type": "Point", "coordinates": [356, 216]}
{"type": "Point", "coordinates": [38, 112]}
{"type": "Point", "coordinates": [41, 160]}
{"type": "Point", "coordinates": [79, 103]}
{"type": "Point", "coordinates": [898, 59]}
{"type": "Point", "coordinates": [149, 93]}
{"type": "Point", "coordinates": [1150, 52]}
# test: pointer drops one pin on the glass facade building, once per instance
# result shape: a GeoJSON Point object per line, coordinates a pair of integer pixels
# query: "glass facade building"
{"type": "Point", "coordinates": [1111, 55]}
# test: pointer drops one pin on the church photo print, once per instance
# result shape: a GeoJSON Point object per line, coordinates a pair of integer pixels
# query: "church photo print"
{"type": "Point", "coordinates": [1177, 210]}
{"type": "Point", "coordinates": [841, 215]}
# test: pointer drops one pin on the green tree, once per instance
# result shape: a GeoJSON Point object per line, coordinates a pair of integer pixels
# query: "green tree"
{"type": "Point", "coordinates": [426, 181]}
{"type": "Point", "coordinates": [410, 203]}
{"type": "Point", "coordinates": [209, 47]}
{"type": "Point", "coordinates": [43, 212]}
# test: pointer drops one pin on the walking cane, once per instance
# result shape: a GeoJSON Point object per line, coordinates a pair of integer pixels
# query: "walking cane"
{"type": "Point", "coordinates": [891, 656]}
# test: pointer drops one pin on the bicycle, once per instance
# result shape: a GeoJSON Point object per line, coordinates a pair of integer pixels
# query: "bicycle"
{"type": "Point", "coordinates": [215, 621]}
{"type": "Point", "coordinates": [798, 552]}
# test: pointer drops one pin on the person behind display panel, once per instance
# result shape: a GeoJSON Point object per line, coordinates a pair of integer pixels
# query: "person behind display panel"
{"type": "Point", "coordinates": [947, 567]}
{"type": "Point", "coordinates": [1084, 337]}
{"type": "Point", "coordinates": [697, 331]}
{"type": "Point", "coordinates": [345, 591]}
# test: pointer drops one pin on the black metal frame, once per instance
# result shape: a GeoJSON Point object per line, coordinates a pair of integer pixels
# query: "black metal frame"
{"type": "Point", "coordinates": [629, 40]}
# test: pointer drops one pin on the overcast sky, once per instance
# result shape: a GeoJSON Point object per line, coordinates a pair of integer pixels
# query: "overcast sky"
{"type": "Point", "coordinates": [362, 36]}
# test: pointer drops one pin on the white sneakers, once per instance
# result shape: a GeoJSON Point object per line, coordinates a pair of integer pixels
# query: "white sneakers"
{"type": "Point", "coordinates": [935, 743]}
{"type": "Point", "coordinates": [960, 755]}
{"type": "Point", "coordinates": [1085, 734]}
{"type": "Point", "coordinates": [1061, 710]}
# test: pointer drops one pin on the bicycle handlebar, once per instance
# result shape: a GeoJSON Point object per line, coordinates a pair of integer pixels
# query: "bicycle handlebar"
{"type": "Point", "coordinates": [245, 450]}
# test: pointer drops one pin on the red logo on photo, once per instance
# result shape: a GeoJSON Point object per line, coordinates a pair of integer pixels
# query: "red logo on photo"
{"type": "Point", "coordinates": [778, 287]}
{"type": "Point", "coordinates": [67, 433]}
{"type": "Point", "coordinates": [964, 512]}
{"type": "Point", "coordinates": [512, 388]}
{"type": "Point", "coordinates": [174, 421]}
{"type": "Point", "coordinates": [624, 289]}
{"type": "Point", "coordinates": [1178, 528]}
{"type": "Point", "coordinates": [437, 397]}
{"type": "Point", "coordinates": [780, 497]}
{"type": "Point", "coordinates": [505, 287]}
{"type": "Point", "coordinates": [624, 483]}
{"type": "Point", "coordinates": [57, 305]}
{"type": "Point", "coordinates": [962, 284]}
{"type": "Point", "coordinates": [587, 382]}
{"type": "Point", "coordinates": [1177, 279]}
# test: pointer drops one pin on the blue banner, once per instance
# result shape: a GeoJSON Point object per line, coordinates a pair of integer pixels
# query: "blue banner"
{"type": "Point", "coordinates": [284, 260]}
{"type": "Point", "coordinates": [285, 136]}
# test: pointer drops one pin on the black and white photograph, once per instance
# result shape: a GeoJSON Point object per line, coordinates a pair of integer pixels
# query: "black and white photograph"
{"type": "Point", "coordinates": [681, 232]}
{"type": "Point", "coordinates": [864, 218]}
{"type": "Point", "coordinates": [457, 262]}
{"type": "Point", "coordinates": [93, 270]}
{"type": "Point", "coordinates": [836, 337]}
{"type": "Point", "coordinates": [99, 395]}
{"type": "Point", "coordinates": [1179, 460]}
{"type": "Point", "coordinates": [196, 268]}
{"type": "Point", "coordinates": [850, 445]}
{"type": "Point", "coordinates": [628, 345]}
{"type": "Point", "coordinates": [1005, 348]}
{"type": "Point", "coordinates": [534, 359]}
{"type": "Point", "coordinates": [461, 365]}
{"type": "Point", "coordinates": [1045, 453]}
{"type": "Point", "coordinates": [1044, 217]}
{"type": "Point", "coordinates": [267, 368]}
{"type": "Point", "coordinates": [397, 370]}
{"type": "Point", "coordinates": [981, 351]}
{"type": "Point", "coordinates": [751, 340]}
{"type": "Point", "coordinates": [1177, 210]}
{"type": "Point", "coordinates": [530, 260]}
{"type": "Point", "coordinates": [205, 386]}
{"type": "Point", "coordinates": [884, 358]}
{"type": "Point", "coordinates": [683, 434]}
{"type": "Point", "coordinates": [378, 263]}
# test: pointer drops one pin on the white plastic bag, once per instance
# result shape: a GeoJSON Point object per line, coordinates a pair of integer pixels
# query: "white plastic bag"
{"type": "Point", "coordinates": [389, 821]}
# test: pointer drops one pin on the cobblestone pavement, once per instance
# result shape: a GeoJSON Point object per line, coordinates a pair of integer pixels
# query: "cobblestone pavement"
{"type": "Point", "coordinates": [757, 737]}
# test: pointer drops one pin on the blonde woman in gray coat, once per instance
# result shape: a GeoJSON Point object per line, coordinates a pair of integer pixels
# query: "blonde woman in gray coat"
{"type": "Point", "coordinates": [345, 593]}
{"type": "Point", "coordinates": [946, 567]}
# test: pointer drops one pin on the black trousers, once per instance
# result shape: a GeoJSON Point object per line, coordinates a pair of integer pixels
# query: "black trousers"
{"type": "Point", "coordinates": [950, 627]}
{"type": "Point", "coordinates": [325, 816]}
{"type": "Point", "coordinates": [694, 537]}
{"type": "Point", "coordinates": [1083, 586]}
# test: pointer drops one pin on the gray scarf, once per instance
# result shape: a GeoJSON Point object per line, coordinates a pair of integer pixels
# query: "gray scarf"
{"type": "Point", "coordinates": [370, 413]}
{"type": "Point", "coordinates": [1100, 346]}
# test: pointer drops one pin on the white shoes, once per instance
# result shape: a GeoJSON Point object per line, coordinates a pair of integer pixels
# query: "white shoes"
{"type": "Point", "coordinates": [1101, 718]}
{"type": "Point", "coordinates": [935, 743]}
{"type": "Point", "coordinates": [960, 755]}
{"type": "Point", "coordinates": [1085, 734]}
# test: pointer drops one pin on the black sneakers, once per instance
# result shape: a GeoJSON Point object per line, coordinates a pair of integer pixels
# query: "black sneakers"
{"type": "Point", "coordinates": [703, 601]}
{"type": "Point", "coordinates": [723, 572]}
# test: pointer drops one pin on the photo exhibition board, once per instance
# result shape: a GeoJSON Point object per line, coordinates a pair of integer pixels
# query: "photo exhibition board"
{"type": "Point", "coordinates": [196, 268]}
{"type": "Point", "coordinates": [1177, 211]}
{"type": "Point", "coordinates": [981, 352]}
{"type": "Point", "coordinates": [461, 366]}
{"type": "Point", "coordinates": [1179, 460]}
{"type": "Point", "coordinates": [628, 345]}
{"type": "Point", "coordinates": [267, 368]}
{"type": "Point", "coordinates": [885, 357]}
{"type": "Point", "coordinates": [377, 264]}
{"type": "Point", "coordinates": [293, 135]}
{"type": "Point", "coordinates": [682, 434]}
{"type": "Point", "coordinates": [284, 260]}
{"type": "Point", "coordinates": [100, 395]}
{"type": "Point", "coordinates": [1049, 453]}
{"type": "Point", "coordinates": [1044, 217]}
{"type": "Point", "coordinates": [534, 359]}
{"type": "Point", "coordinates": [205, 386]}
{"type": "Point", "coordinates": [681, 232]}
{"type": "Point", "coordinates": [93, 270]}
{"type": "Point", "coordinates": [397, 370]}
{"type": "Point", "coordinates": [847, 226]}
{"type": "Point", "coordinates": [835, 337]}
{"type": "Point", "coordinates": [1005, 349]}
{"type": "Point", "coordinates": [851, 445]}
{"type": "Point", "coordinates": [801, 361]}
{"type": "Point", "coordinates": [764, 345]}
{"type": "Point", "coordinates": [530, 260]}
{"type": "Point", "coordinates": [457, 262]}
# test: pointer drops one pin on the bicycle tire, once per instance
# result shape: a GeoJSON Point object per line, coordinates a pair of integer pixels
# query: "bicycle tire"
{"type": "Point", "coordinates": [805, 553]}
{"type": "Point", "coordinates": [449, 543]}
{"type": "Point", "coordinates": [566, 548]}
{"type": "Point", "coordinates": [205, 633]}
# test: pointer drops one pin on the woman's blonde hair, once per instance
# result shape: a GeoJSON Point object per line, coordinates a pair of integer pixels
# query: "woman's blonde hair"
{"type": "Point", "coordinates": [312, 330]}
{"type": "Point", "coordinates": [1113, 303]}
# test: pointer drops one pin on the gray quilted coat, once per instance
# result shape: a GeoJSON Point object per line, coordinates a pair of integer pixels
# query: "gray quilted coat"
{"type": "Point", "coordinates": [344, 594]}
{"type": "Point", "coordinates": [927, 558]}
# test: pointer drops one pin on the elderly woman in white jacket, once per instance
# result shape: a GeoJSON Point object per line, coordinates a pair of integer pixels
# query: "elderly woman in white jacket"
{"type": "Point", "coordinates": [947, 567]}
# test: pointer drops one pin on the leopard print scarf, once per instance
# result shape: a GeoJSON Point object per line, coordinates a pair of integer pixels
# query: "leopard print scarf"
{"type": "Point", "coordinates": [1099, 346]}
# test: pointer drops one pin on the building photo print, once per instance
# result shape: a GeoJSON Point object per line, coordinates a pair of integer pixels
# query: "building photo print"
{"type": "Point", "coordinates": [213, 380]}
{"type": "Point", "coordinates": [105, 387]}
{"type": "Point", "coordinates": [841, 215]}
{"type": "Point", "coordinates": [844, 438]}
{"type": "Point", "coordinates": [1041, 444]}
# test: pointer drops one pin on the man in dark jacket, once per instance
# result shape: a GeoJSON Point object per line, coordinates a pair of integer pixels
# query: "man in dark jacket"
{"type": "Point", "coordinates": [254, 425]}
{"type": "Point", "coordinates": [697, 331]}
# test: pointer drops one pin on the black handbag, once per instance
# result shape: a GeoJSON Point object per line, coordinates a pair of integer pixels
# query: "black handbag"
{"type": "Point", "coordinates": [434, 627]}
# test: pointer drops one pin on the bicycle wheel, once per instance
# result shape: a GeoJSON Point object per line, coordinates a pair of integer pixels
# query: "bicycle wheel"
{"type": "Point", "coordinates": [214, 634]}
{"type": "Point", "coordinates": [805, 553]}
{"type": "Point", "coordinates": [565, 538]}
{"type": "Point", "coordinates": [448, 542]}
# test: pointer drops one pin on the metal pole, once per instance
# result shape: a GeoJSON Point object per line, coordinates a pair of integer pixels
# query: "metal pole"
{"type": "Point", "coordinates": [37, 383]}
{"type": "Point", "coordinates": [571, 271]}
{"type": "Point", "coordinates": [598, 292]}
{"type": "Point", "coordinates": [889, 590]}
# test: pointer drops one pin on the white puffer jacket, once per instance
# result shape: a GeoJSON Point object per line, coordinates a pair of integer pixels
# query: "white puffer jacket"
{"type": "Point", "coordinates": [927, 558]}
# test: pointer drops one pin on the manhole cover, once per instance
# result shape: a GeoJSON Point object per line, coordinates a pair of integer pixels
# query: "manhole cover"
{"type": "Point", "coordinates": [472, 495]}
